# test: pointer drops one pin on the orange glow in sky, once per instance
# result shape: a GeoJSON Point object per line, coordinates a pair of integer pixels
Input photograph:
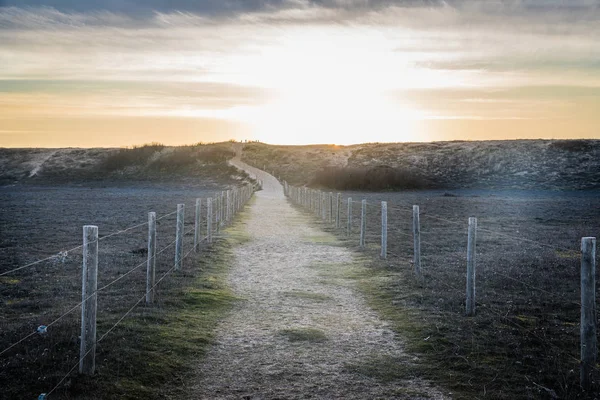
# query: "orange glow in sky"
{"type": "Point", "coordinates": [297, 75]}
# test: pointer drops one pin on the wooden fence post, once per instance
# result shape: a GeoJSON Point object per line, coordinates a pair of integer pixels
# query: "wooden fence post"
{"type": "Point", "coordinates": [151, 264]}
{"type": "Point", "coordinates": [179, 237]}
{"type": "Point", "coordinates": [330, 207]}
{"type": "Point", "coordinates": [228, 207]}
{"type": "Point", "coordinates": [222, 209]}
{"type": "Point", "coordinates": [197, 221]}
{"type": "Point", "coordinates": [217, 212]}
{"type": "Point", "coordinates": [363, 223]}
{"type": "Point", "coordinates": [588, 328]}
{"type": "Point", "coordinates": [337, 210]}
{"type": "Point", "coordinates": [471, 265]}
{"type": "Point", "coordinates": [417, 241]}
{"type": "Point", "coordinates": [209, 218]}
{"type": "Point", "coordinates": [384, 229]}
{"type": "Point", "coordinates": [89, 305]}
{"type": "Point", "coordinates": [349, 219]}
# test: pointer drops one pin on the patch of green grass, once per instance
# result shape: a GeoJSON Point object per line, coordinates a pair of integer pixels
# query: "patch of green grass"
{"type": "Point", "coordinates": [322, 239]}
{"type": "Point", "coordinates": [383, 368]}
{"type": "Point", "coordinates": [9, 280]}
{"type": "Point", "coordinates": [303, 335]}
{"type": "Point", "coordinates": [153, 351]}
{"type": "Point", "coordinates": [307, 295]}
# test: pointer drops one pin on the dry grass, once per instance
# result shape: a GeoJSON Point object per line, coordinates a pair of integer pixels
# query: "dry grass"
{"type": "Point", "coordinates": [531, 164]}
{"type": "Point", "coordinates": [524, 341]}
{"type": "Point", "coordinates": [150, 162]}
{"type": "Point", "coordinates": [149, 352]}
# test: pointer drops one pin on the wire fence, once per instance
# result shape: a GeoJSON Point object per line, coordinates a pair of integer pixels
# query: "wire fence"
{"type": "Point", "coordinates": [129, 283]}
{"type": "Point", "coordinates": [529, 276]}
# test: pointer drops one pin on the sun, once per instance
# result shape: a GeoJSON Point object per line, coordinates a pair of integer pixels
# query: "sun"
{"type": "Point", "coordinates": [329, 86]}
{"type": "Point", "coordinates": [331, 116]}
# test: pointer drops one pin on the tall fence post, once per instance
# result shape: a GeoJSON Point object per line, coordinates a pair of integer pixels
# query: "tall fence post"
{"type": "Point", "coordinates": [179, 237]}
{"type": "Point", "coordinates": [588, 328]}
{"type": "Point", "coordinates": [217, 205]}
{"type": "Point", "coordinates": [229, 206]}
{"type": "Point", "coordinates": [209, 219]}
{"type": "Point", "coordinates": [223, 206]}
{"type": "Point", "coordinates": [363, 223]}
{"type": "Point", "coordinates": [337, 210]}
{"type": "Point", "coordinates": [417, 241]}
{"type": "Point", "coordinates": [471, 265]}
{"type": "Point", "coordinates": [89, 305]}
{"type": "Point", "coordinates": [384, 229]}
{"type": "Point", "coordinates": [330, 207]}
{"type": "Point", "coordinates": [349, 222]}
{"type": "Point", "coordinates": [197, 221]}
{"type": "Point", "coordinates": [151, 264]}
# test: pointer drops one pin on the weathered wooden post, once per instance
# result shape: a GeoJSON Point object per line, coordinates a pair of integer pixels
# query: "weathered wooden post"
{"type": "Point", "coordinates": [179, 237]}
{"type": "Point", "coordinates": [471, 265]}
{"type": "Point", "coordinates": [349, 222]}
{"type": "Point", "coordinates": [235, 205]}
{"type": "Point", "coordinates": [223, 206]}
{"type": "Point", "coordinates": [417, 241]}
{"type": "Point", "coordinates": [318, 203]}
{"type": "Point", "coordinates": [330, 207]}
{"type": "Point", "coordinates": [151, 264]}
{"type": "Point", "coordinates": [306, 198]}
{"type": "Point", "coordinates": [197, 221]}
{"type": "Point", "coordinates": [89, 305]}
{"type": "Point", "coordinates": [217, 211]}
{"type": "Point", "coordinates": [588, 328]}
{"type": "Point", "coordinates": [228, 208]}
{"type": "Point", "coordinates": [209, 218]}
{"type": "Point", "coordinates": [337, 210]}
{"type": "Point", "coordinates": [384, 230]}
{"type": "Point", "coordinates": [363, 223]}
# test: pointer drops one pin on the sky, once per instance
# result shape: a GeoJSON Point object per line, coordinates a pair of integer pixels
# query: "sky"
{"type": "Point", "coordinates": [109, 73]}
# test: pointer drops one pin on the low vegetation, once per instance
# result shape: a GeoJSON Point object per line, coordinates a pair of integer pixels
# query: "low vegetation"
{"type": "Point", "coordinates": [369, 178]}
{"type": "Point", "coordinates": [135, 156]}
{"type": "Point", "coordinates": [157, 158]}
{"type": "Point", "coordinates": [154, 350]}
{"type": "Point", "coordinates": [523, 342]}
{"type": "Point", "coordinates": [304, 335]}
{"type": "Point", "coordinates": [153, 161]}
{"type": "Point", "coordinates": [149, 353]}
{"type": "Point", "coordinates": [510, 164]}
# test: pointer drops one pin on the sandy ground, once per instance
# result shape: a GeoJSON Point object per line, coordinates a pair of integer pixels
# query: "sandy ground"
{"type": "Point", "coordinates": [301, 329]}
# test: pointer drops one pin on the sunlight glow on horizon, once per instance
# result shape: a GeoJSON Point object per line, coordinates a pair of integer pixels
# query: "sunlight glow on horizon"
{"type": "Point", "coordinates": [296, 76]}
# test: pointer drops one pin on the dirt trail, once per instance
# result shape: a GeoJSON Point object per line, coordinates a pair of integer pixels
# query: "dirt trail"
{"type": "Point", "coordinates": [301, 330]}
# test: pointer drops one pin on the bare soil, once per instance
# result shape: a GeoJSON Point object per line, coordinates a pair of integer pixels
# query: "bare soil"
{"type": "Point", "coordinates": [301, 329]}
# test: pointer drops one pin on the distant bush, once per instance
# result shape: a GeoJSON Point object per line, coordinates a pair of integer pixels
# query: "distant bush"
{"type": "Point", "coordinates": [187, 157]}
{"type": "Point", "coordinates": [373, 178]}
{"type": "Point", "coordinates": [130, 157]}
{"type": "Point", "coordinates": [572, 145]}
{"type": "Point", "coordinates": [178, 159]}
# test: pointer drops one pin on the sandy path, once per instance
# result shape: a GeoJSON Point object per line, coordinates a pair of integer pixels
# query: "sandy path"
{"type": "Point", "coordinates": [293, 277]}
